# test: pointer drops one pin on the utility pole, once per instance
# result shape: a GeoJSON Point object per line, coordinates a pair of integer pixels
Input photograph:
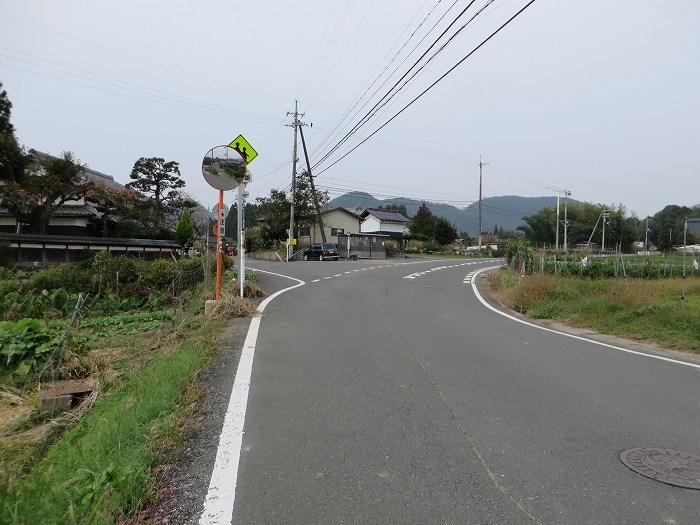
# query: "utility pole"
{"type": "Point", "coordinates": [295, 125]}
{"type": "Point", "coordinates": [566, 201]}
{"type": "Point", "coordinates": [481, 181]}
{"type": "Point", "coordinates": [605, 216]}
{"type": "Point", "coordinates": [685, 250]}
{"type": "Point", "coordinates": [646, 238]}
{"type": "Point", "coordinates": [556, 242]}
{"type": "Point", "coordinates": [566, 221]}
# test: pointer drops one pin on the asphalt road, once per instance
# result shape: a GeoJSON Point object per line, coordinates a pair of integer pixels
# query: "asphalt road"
{"type": "Point", "coordinates": [386, 393]}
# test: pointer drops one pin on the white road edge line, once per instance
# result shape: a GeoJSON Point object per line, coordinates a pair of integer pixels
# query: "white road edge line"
{"type": "Point", "coordinates": [218, 505]}
{"type": "Point", "coordinates": [572, 336]}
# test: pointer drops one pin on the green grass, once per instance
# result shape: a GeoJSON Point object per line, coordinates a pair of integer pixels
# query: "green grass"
{"type": "Point", "coordinates": [646, 310]}
{"type": "Point", "coordinates": [100, 471]}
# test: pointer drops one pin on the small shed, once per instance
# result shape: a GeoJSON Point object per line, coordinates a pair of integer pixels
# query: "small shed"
{"type": "Point", "coordinates": [362, 245]}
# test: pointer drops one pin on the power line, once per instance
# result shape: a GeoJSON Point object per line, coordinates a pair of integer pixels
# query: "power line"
{"type": "Point", "coordinates": [318, 46]}
{"type": "Point", "coordinates": [370, 113]}
{"type": "Point", "coordinates": [329, 46]}
{"type": "Point", "coordinates": [218, 114]}
{"type": "Point", "coordinates": [374, 79]}
{"type": "Point", "coordinates": [151, 92]}
{"type": "Point", "coordinates": [323, 84]}
{"type": "Point", "coordinates": [141, 59]}
{"type": "Point", "coordinates": [432, 85]}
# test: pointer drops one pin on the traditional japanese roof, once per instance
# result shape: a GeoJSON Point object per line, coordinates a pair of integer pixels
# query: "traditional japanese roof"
{"type": "Point", "coordinates": [94, 175]}
{"type": "Point", "coordinates": [384, 215]}
{"type": "Point", "coordinates": [349, 211]}
{"type": "Point", "coordinates": [76, 210]}
{"type": "Point", "coordinates": [75, 240]}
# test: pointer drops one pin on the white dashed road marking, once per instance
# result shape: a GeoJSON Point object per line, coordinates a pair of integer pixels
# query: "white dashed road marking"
{"type": "Point", "coordinates": [438, 268]}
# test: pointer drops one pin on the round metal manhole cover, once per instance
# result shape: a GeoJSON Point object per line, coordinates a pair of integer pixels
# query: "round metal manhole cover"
{"type": "Point", "coordinates": [668, 466]}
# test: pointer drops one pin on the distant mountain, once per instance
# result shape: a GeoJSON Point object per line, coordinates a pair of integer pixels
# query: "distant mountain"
{"type": "Point", "coordinates": [505, 212]}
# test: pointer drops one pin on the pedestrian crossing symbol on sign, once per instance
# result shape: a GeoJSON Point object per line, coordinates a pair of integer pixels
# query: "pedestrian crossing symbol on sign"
{"type": "Point", "coordinates": [242, 146]}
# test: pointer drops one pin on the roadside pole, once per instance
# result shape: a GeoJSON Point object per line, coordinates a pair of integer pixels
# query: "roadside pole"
{"type": "Point", "coordinates": [685, 250]}
{"type": "Point", "coordinates": [219, 254]}
{"type": "Point", "coordinates": [225, 168]}
{"type": "Point", "coordinates": [241, 240]}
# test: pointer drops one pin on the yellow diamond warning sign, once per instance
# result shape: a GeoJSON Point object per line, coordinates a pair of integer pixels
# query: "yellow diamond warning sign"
{"type": "Point", "coordinates": [243, 147]}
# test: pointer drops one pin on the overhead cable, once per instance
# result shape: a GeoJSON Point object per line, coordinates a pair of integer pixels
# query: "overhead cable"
{"type": "Point", "coordinates": [374, 78]}
{"type": "Point", "coordinates": [432, 85]}
{"type": "Point", "coordinates": [369, 114]}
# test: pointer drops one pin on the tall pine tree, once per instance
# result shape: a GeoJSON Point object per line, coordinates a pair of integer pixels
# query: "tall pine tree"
{"type": "Point", "coordinates": [423, 222]}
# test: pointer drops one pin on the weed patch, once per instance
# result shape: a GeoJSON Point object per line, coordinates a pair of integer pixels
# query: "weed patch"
{"type": "Point", "coordinates": [645, 310]}
{"type": "Point", "coordinates": [100, 469]}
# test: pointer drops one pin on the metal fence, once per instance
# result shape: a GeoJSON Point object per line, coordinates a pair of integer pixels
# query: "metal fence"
{"type": "Point", "coordinates": [362, 245]}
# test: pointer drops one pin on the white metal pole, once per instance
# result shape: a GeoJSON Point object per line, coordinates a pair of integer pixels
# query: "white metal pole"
{"type": "Point", "coordinates": [685, 249]}
{"type": "Point", "coordinates": [566, 220]}
{"type": "Point", "coordinates": [241, 248]}
{"type": "Point", "coordinates": [557, 235]}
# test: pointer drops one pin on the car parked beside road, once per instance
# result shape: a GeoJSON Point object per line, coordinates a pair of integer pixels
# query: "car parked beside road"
{"type": "Point", "coordinates": [321, 252]}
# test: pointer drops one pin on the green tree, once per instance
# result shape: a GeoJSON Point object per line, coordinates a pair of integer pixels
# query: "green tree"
{"type": "Point", "coordinates": [304, 208]}
{"type": "Point", "coordinates": [185, 230]}
{"type": "Point", "coordinates": [620, 232]}
{"type": "Point", "coordinates": [467, 239]}
{"type": "Point", "coordinates": [666, 227]}
{"type": "Point", "coordinates": [274, 213]}
{"type": "Point", "coordinates": [423, 222]}
{"type": "Point", "coordinates": [583, 223]}
{"type": "Point", "coordinates": [540, 226]}
{"type": "Point", "coordinates": [251, 211]}
{"type": "Point", "coordinates": [12, 159]}
{"type": "Point", "coordinates": [160, 183]}
{"type": "Point", "coordinates": [5, 112]}
{"type": "Point", "coordinates": [445, 232]}
{"type": "Point", "coordinates": [586, 222]}
{"type": "Point", "coordinates": [399, 208]}
{"type": "Point", "coordinates": [44, 185]}
{"type": "Point", "coordinates": [109, 202]}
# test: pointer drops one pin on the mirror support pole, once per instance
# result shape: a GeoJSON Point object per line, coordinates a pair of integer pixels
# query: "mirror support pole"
{"type": "Point", "coordinates": [219, 255]}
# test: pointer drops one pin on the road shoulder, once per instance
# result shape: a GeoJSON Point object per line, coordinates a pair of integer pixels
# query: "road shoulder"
{"type": "Point", "coordinates": [183, 482]}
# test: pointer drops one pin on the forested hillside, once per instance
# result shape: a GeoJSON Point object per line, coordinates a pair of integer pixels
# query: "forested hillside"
{"type": "Point", "coordinates": [505, 212]}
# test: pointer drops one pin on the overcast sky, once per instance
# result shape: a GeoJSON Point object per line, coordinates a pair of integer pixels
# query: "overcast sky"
{"type": "Point", "coordinates": [601, 98]}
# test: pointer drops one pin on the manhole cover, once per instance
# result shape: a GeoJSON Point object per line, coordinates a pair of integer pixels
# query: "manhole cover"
{"type": "Point", "coordinates": [668, 466]}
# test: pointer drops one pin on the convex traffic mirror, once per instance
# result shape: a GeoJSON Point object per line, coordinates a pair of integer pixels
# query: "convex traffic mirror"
{"type": "Point", "coordinates": [223, 168]}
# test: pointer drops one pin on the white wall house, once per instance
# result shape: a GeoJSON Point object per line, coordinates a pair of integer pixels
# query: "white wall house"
{"type": "Point", "coordinates": [387, 222]}
{"type": "Point", "coordinates": [336, 222]}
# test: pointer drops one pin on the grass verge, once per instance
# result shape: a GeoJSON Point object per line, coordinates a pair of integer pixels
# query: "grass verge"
{"type": "Point", "coordinates": [652, 311]}
{"type": "Point", "coordinates": [100, 471]}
